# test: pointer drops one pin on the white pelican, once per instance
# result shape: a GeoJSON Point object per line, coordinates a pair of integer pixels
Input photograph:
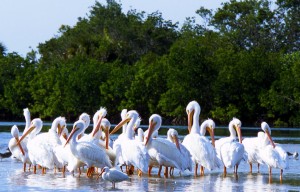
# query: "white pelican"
{"type": "Point", "coordinates": [201, 149]}
{"type": "Point", "coordinates": [35, 127]}
{"type": "Point", "coordinates": [162, 152]}
{"type": "Point", "coordinates": [133, 153]}
{"type": "Point", "coordinates": [113, 175]}
{"type": "Point", "coordinates": [186, 157]}
{"type": "Point", "coordinates": [23, 145]}
{"type": "Point", "coordinates": [273, 155]}
{"type": "Point", "coordinates": [41, 147]}
{"type": "Point", "coordinates": [229, 150]}
{"type": "Point", "coordinates": [252, 146]}
{"type": "Point", "coordinates": [88, 152]}
{"type": "Point", "coordinates": [18, 150]}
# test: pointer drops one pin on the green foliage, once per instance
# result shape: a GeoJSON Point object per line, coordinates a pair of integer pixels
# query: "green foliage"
{"type": "Point", "coordinates": [15, 74]}
{"type": "Point", "coordinates": [2, 49]}
{"type": "Point", "coordinates": [283, 98]}
{"type": "Point", "coordinates": [224, 115]}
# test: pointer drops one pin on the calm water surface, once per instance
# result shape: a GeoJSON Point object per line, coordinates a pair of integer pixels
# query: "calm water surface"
{"type": "Point", "coordinates": [13, 178]}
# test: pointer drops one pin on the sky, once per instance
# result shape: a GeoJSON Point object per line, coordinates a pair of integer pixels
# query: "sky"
{"type": "Point", "coordinates": [26, 23]}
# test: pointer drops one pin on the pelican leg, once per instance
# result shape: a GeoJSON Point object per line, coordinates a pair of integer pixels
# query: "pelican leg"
{"type": "Point", "coordinates": [196, 167]}
{"type": "Point", "coordinates": [149, 170]}
{"type": "Point", "coordinates": [43, 170]}
{"type": "Point", "coordinates": [236, 169]}
{"type": "Point", "coordinates": [90, 171]}
{"type": "Point", "coordinates": [139, 173]}
{"type": "Point", "coordinates": [225, 171]}
{"type": "Point", "coordinates": [281, 171]}
{"type": "Point", "coordinates": [166, 172]}
{"type": "Point", "coordinates": [201, 170]}
{"type": "Point", "coordinates": [79, 171]}
{"type": "Point", "coordinates": [258, 167]}
{"type": "Point", "coordinates": [250, 164]}
{"type": "Point", "coordinates": [270, 175]}
{"type": "Point", "coordinates": [64, 170]}
{"type": "Point", "coordinates": [24, 167]}
{"type": "Point", "coordinates": [131, 170]}
{"type": "Point", "coordinates": [34, 169]}
{"type": "Point", "coordinates": [159, 170]}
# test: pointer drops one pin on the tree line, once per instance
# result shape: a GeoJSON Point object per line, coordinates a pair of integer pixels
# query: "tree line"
{"type": "Point", "coordinates": [242, 60]}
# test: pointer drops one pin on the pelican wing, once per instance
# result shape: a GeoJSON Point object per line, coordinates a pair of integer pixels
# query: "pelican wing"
{"type": "Point", "coordinates": [232, 153]}
{"type": "Point", "coordinates": [202, 151]}
{"type": "Point", "coordinates": [92, 155]}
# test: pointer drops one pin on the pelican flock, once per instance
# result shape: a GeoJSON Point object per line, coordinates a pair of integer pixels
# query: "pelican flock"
{"type": "Point", "coordinates": [141, 150]}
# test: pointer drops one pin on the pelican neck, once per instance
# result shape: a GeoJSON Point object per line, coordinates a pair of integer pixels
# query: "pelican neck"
{"type": "Point", "coordinates": [196, 126]}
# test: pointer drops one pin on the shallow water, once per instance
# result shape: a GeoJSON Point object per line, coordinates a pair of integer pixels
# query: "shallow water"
{"type": "Point", "coordinates": [13, 178]}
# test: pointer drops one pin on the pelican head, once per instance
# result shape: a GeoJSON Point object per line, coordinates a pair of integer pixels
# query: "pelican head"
{"type": "Point", "coordinates": [15, 133]}
{"type": "Point", "coordinates": [78, 128]}
{"type": "Point", "coordinates": [98, 116]}
{"type": "Point", "coordinates": [265, 127]}
{"type": "Point", "coordinates": [101, 113]}
{"type": "Point", "coordinates": [59, 123]}
{"type": "Point", "coordinates": [236, 124]}
{"type": "Point", "coordinates": [192, 108]}
{"type": "Point", "coordinates": [208, 125]}
{"type": "Point", "coordinates": [86, 118]}
{"type": "Point", "coordinates": [172, 135]}
{"type": "Point", "coordinates": [105, 125]}
{"type": "Point", "coordinates": [26, 113]}
{"type": "Point", "coordinates": [123, 114]}
{"type": "Point", "coordinates": [132, 114]}
{"type": "Point", "coordinates": [35, 125]}
{"type": "Point", "coordinates": [154, 124]}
